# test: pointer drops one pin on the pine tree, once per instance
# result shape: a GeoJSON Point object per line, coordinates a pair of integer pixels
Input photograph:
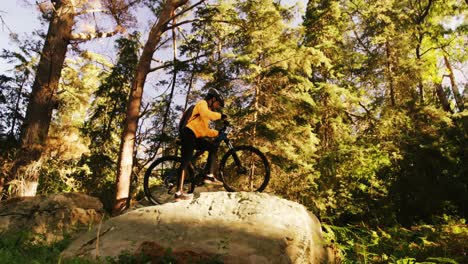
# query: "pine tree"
{"type": "Point", "coordinates": [16, 87]}
{"type": "Point", "coordinates": [104, 120]}
{"type": "Point", "coordinates": [377, 105]}
{"type": "Point", "coordinates": [253, 56]}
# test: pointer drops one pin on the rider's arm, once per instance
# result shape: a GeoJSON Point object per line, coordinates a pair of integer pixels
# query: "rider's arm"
{"type": "Point", "coordinates": [200, 126]}
{"type": "Point", "coordinates": [206, 113]}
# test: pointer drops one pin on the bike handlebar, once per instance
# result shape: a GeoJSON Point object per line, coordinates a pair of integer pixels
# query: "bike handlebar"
{"type": "Point", "coordinates": [224, 131]}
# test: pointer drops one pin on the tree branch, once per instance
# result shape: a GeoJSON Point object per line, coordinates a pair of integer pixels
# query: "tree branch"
{"type": "Point", "coordinates": [182, 12]}
{"type": "Point", "coordinates": [367, 110]}
{"type": "Point", "coordinates": [89, 36]}
{"type": "Point", "coordinates": [183, 23]}
{"type": "Point", "coordinates": [172, 63]}
{"type": "Point", "coordinates": [425, 12]}
{"type": "Point", "coordinates": [93, 11]}
{"type": "Point", "coordinates": [201, 20]}
{"type": "Point", "coordinates": [442, 46]}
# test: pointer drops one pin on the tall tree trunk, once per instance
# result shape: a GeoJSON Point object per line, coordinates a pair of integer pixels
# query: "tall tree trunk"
{"type": "Point", "coordinates": [456, 93]}
{"type": "Point", "coordinates": [418, 60]}
{"type": "Point", "coordinates": [421, 13]}
{"type": "Point", "coordinates": [256, 110]}
{"type": "Point", "coordinates": [125, 162]}
{"type": "Point", "coordinates": [42, 100]}
{"type": "Point", "coordinates": [442, 97]}
{"type": "Point", "coordinates": [391, 83]}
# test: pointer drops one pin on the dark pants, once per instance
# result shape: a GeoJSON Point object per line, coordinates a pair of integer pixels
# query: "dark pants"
{"type": "Point", "coordinates": [189, 144]}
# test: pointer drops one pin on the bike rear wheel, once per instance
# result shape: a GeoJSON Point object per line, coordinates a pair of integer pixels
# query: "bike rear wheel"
{"type": "Point", "coordinates": [244, 168]}
{"type": "Point", "coordinates": [161, 178]}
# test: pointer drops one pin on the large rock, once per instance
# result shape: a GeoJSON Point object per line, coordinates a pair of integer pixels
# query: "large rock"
{"type": "Point", "coordinates": [49, 218]}
{"type": "Point", "coordinates": [232, 227]}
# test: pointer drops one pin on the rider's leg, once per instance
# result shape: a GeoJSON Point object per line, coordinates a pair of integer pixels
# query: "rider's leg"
{"type": "Point", "coordinates": [210, 166]}
{"type": "Point", "coordinates": [211, 161]}
{"type": "Point", "coordinates": [212, 149]}
{"type": "Point", "coordinates": [188, 146]}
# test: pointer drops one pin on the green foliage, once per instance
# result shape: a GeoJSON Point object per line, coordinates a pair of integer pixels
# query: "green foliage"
{"type": "Point", "coordinates": [104, 123]}
{"type": "Point", "coordinates": [427, 173]}
{"type": "Point", "coordinates": [15, 87]}
{"type": "Point", "coordinates": [344, 107]}
{"type": "Point", "coordinates": [387, 153]}
{"type": "Point", "coordinates": [16, 248]}
{"type": "Point", "coordinates": [59, 165]}
{"type": "Point", "coordinates": [347, 106]}
{"type": "Point", "coordinates": [103, 126]}
{"type": "Point", "coordinates": [443, 243]}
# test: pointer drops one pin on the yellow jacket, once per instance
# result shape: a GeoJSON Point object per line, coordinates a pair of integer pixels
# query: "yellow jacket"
{"type": "Point", "coordinates": [200, 120]}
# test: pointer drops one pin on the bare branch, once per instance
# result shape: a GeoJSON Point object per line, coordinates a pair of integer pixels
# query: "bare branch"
{"type": "Point", "coordinates": [4, 24]}
{"type": "Point", "coordinates": [367, 110]}
{"type": "Point", "coordinates": [162, 43]}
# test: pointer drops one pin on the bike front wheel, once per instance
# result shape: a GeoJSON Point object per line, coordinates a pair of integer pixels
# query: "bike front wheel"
{"type": "Point", "coordinates": [244, 168]}
{"type": "Point", "coordinates": [161, 179]}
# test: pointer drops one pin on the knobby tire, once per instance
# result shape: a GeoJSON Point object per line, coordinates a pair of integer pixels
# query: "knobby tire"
{"type": "Point", "coordinates": [157, 186]}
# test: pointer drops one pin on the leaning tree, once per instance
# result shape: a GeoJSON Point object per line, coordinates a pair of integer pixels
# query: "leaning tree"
{"type": "Point", "coordinates": [166, 14]}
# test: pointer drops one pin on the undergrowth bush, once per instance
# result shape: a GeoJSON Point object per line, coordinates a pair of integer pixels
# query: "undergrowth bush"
{"type": "Point", "coordinates": [442, 243]}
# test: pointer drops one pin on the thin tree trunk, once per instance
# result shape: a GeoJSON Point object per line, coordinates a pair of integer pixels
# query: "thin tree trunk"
{"type": "Point", "coordinates": [420, 84]}
{"type": "Point", "coordinates": [256, 109]}
{"type": "Point", "coordinates": [391, 85]}
{"type": "Point", "coordinates": [453, 83]}
{"type": "Point", "coordinates": [125, 161]}
{"type": "Point", "coordinates": [192, 77]}
{"type": "Point", "coordinates": [419, 20]}
{"type": "Point", "coordinates": [16, 110]}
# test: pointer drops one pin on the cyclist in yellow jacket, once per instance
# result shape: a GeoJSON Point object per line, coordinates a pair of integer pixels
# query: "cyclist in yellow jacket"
{"type": "Point", "coordinates": [194, 135]}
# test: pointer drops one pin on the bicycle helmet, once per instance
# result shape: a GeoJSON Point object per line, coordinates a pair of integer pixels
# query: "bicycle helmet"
{"type": "Point", "coordinates": [214, 93]}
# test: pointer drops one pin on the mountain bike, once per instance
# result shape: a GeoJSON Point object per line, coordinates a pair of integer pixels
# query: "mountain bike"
{"type": "Point", "coordinates": [242, 168]}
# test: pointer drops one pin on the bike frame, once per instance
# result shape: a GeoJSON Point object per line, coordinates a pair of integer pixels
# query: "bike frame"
{"type": "Point", "coordinates": [222, 137]}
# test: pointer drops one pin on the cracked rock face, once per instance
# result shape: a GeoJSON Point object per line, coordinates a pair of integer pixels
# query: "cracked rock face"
{"type": "Point", "coordinates": [48, 218]}
{"type": "Point", "coordinates": [230, 227]}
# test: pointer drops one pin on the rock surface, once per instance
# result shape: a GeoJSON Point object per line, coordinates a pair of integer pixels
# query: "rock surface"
{"type": "Point", "coordinates": [231, 227]}
{"type": "Point", "coordinates": [48, 218]}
